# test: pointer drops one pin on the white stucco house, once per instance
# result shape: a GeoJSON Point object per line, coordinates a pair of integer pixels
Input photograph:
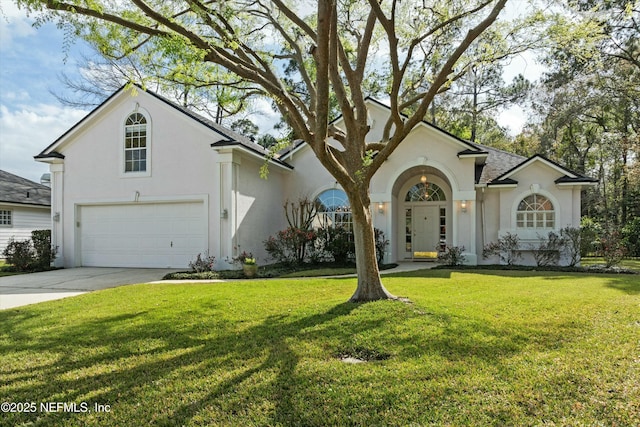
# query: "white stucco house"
{"type": "Point", "coordinates": [24, 206]}
{"type": "Point", "coordinates": [143, 182]}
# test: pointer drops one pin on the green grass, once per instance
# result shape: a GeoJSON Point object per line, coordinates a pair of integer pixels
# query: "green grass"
{"type": "Point", "coordinates": [333, 271]}
{"type": "Point", "coordinates": [630, 263]}
{"type": "Point", "coordinates": [474, 348]}
{"type": "Point", "coordinates": [4, 264]}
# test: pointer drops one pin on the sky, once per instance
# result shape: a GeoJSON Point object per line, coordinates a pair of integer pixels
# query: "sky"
{"type": "Point", "coordinates": [31, 117]}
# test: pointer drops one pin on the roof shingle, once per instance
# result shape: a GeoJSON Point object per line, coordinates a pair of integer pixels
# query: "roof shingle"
{"type": "Point", "coordinates": [15, 189]}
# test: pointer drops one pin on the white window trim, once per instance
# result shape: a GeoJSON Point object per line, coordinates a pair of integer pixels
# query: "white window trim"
{"type": "Point", "coordinates": [339, 188]}
{"type": "Point", "coordinates": [123, 124]}
{"type": "Point", "coordinates": [532, 233]}
{"type": "Point", "coordinates": [11, 218]}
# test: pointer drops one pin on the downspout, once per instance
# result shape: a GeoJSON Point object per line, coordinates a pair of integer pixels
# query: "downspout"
{"type": "Point", "coordinates": [483, 219]}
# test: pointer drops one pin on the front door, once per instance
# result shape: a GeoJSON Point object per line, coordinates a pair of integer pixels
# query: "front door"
{"type": "Point", "coordinates": [426, 234]}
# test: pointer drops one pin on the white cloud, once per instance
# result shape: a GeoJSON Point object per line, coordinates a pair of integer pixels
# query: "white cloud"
{"type": "Point", "coordinates": [20, 96]}
{"type": "Point", "coordinates": [264, 116]}
{"type": "Point", "coordinates": [513, 119]}
{"type": "Point", "coordinates": [26, 131]}
{"type": "Point", "coordinates": [526, 64]}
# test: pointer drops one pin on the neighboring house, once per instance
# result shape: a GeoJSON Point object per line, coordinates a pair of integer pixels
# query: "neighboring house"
{"type": "Point", "coordinates": [144, 182]}
{"type": "Point", "coordinates": [24, 206]}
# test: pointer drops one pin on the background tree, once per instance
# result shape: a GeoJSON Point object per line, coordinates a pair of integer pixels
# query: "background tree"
{"type": "Point", "coordinates": [475, 99]}
{"type": "Point", "coordinates": [336, 50]}
{"type": "Point", "coordinates": [214, 92]}
{"type": "Point", "coordinates": [245, 127]}
{"type": "Point", "coordinates": [585, 111]}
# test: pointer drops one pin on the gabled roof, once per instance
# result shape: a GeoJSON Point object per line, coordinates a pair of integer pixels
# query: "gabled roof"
{"type": "Point", "coordinates": [569, 177]}
{"type": "Point", "coordinates": [493, 166]}
{"type": "Point", "coordinates": [15, 189]}
{"type": "Point", "coordinates": [468, 148]}
{"type": "Point", "coordinates": [496, 163]}
{"type": "Point", "coordinates": [229, 137]}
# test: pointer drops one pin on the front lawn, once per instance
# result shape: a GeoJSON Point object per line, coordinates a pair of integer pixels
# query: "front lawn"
{"type": "Point", "coordinates": [630, 263]}
{"type": "Point", "coordinates": [6, 269]}
{"type": "Point", "coordinates": [474, 348]}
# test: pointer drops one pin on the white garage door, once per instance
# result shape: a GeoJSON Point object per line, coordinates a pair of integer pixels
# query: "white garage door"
{"type": "Point", "coordinates": [160, 235]}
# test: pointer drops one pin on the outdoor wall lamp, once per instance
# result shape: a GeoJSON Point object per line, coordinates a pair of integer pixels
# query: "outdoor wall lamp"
{"type": "Point", "coordinates": [463, 205]}
{"type": "Point", "coordinates": [56, 217]}
{"type": "Point", "coordinates": [381, 207]}
{"type": "Point", "coordinates": [224, 214]}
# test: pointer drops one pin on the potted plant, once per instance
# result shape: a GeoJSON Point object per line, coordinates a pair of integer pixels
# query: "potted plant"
{"type": "Point", "coordinates": [250, 267]}
{"type": "Point", "coordinates": [248, 262]}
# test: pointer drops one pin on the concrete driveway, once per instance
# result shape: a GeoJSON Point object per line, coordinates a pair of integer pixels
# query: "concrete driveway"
{"type": "Point", "coordinates": [23, 289]}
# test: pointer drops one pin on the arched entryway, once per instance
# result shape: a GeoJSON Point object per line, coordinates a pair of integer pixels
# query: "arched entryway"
{"type": "Point", "coordinates": [423, 211]}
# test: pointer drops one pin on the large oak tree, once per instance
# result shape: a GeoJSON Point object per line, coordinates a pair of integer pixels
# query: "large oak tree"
{"type": "Point", "coordinates": [336, 46]}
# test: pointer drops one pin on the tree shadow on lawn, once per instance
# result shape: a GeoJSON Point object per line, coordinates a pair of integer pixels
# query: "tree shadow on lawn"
{"type": "Point", "coordinates": [628, 283]}
{"type": "Point", "coordinates": [156, 369]}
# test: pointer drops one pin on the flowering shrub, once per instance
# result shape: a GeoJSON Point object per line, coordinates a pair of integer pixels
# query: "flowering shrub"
{"type": "Point", "coordinates": [202, 263]}
{"type": "Point", "coordinates": [290, 245]}
{"type": "Point", "coordinates": [613, 249]}
{"type": "Point", "coordinates": [244, 258]}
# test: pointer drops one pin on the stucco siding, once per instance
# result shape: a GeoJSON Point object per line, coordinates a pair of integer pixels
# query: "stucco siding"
{"type": "Point", "coordinates": [260, 208]}
{"type": "Point", "coordinates": [181, 166]}
{"type": "Point", "coordinates": [241, 210]}
{"type": "Point", "coordinates": [309, 177]}
{"type": "Point", "coordinates": [425, 147]}
{"type": "Point", "coordinates": [501, 205]}
{"type": "Point", "coordinates": [489, 219]}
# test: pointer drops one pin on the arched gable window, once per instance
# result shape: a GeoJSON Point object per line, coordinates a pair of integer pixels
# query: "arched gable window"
{"type": "Point", "coordinates": [429, 192]}
{"type": "Point", "coordinates": [535, 211]}
{"type": "Point", "coordinates": [334, 209]}
{"type": "Point", "coordinates": [135, 143]}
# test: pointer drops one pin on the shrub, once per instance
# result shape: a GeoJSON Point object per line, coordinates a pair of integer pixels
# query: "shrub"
{"type": "Point", "coordinates": [631, 237]}
{"type": "Point", "coordinates": [612, 248]}
{"type": "Point", "coordinates": [202, 263]}
{"type": "Point", "coordinates": [506, 248]}
{"type": "Point", "coordinates": [572, 242]}
{"type": "Point", "coordinates": [548, 250]}
{"type": "Point", "coordinates": [44, 252]}
{"type": "Point", "coordinates": [381, 244]}
{"type": "Point", "coordinates": [20, 254]}
{"type": "Point", "coordinates": [452, 255]}
{"type": "Point", "coordinates": [290, 245]}
{"type": "Point", "coordinates": [336, 243]}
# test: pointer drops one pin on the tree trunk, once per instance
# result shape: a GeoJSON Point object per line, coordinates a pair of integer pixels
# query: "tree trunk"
{"type": "Point", "coordinates": [370, 286]}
